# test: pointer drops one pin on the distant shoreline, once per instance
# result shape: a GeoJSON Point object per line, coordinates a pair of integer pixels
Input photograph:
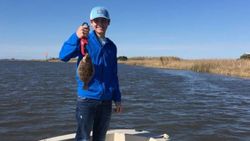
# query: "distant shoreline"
{"type": "Point", "coordinates": [227, 67]}
{"type": "Point", "coordinates": [38, 60]}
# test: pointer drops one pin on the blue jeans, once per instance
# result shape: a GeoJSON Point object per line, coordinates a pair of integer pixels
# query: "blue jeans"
{"type": "Point", "coordinates": [92, 115]}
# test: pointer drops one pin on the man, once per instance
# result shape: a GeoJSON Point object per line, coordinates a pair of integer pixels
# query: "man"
{"type": "Point", "coordinates": [94, 105]}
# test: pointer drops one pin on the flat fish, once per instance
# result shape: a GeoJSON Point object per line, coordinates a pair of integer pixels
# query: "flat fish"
{"type": "Point", "coordinates": [85, 70]}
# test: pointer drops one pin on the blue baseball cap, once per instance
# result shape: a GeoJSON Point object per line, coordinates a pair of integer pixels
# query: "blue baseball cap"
{"type": "Point", "coordinates": [99, 12]}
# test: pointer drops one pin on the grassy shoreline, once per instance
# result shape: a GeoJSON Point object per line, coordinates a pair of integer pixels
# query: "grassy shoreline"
{"type": "Point", "coordinates": [228, 67]}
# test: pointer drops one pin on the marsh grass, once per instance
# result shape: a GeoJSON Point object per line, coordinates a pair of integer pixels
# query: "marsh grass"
{"type": "Point", "coordinates": [230, 67]}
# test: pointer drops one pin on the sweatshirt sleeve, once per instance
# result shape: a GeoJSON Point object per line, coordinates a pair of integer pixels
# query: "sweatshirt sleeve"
{"type": "Point", "coordinates": [70, 48]}
{"type": "Point", "coordinates": [117, 93]}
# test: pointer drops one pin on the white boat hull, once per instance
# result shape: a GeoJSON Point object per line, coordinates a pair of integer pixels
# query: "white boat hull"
{"type": "Point", "coordinates": [118, 135]}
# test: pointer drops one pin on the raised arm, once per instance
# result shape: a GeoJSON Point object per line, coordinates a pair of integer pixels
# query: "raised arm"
{"type": "Point", "coordinates": [71, 48]}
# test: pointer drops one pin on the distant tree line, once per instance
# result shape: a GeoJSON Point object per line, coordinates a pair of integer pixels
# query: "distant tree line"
{"type": "Point", "coordinates": [245, 56]}
{"type": "Point", "coordinates": [122, 58]}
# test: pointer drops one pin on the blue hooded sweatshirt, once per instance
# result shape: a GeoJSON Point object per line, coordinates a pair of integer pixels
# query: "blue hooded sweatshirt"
{"type": "Point", "coordinates": [104, 84]}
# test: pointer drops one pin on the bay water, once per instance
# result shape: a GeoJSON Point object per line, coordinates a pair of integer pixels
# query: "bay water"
{"type": "Point", "coordinates": [37, 100]}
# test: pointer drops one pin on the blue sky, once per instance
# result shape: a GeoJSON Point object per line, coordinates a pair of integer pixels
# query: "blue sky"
{"type": "Point", "coordinates": [189, 29]}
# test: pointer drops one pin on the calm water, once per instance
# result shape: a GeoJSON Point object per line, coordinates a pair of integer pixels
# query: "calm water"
{"type": "Point", "coordinates": [38, 100]}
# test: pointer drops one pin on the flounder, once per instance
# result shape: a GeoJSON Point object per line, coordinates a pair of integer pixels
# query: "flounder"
{"type": "Point", "coordinates": [85, 70]}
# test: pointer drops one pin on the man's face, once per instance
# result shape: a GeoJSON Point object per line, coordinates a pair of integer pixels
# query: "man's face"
{"type": "Point", "coordinates": [100, 25]}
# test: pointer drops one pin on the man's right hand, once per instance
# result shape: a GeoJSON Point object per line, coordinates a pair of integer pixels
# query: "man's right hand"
{"type": "Point", "coordinates": [82, 31]}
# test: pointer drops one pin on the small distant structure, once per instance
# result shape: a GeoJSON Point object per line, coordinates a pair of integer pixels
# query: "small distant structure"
{"type": "Point", "coordinates": [246, 55]}
{"type": "Point", "coordinates": [46, 56]}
